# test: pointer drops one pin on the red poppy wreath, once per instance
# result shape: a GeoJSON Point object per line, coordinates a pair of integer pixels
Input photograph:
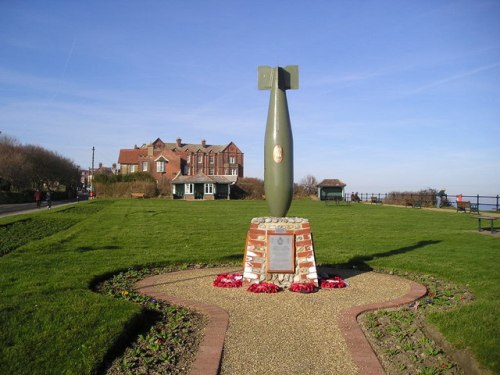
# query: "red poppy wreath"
{"type": "Point", "coordinates": [228, 280]}
{"type": "Point", "coordinates": [302, 287]}
{"type": "Point", "coordinates": [264, 288]}
{"type": "Point", "coordinates": [334, 282]}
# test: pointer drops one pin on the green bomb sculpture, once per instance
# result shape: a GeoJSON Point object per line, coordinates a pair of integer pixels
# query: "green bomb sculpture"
{"type": "Point", "coordinates": [279, 249]}
{"type": "Point", "coordinates": [278, 142]}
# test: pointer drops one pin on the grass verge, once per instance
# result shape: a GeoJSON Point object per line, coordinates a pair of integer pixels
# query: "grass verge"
{"type": "Point", "coordinates": [47, 306]}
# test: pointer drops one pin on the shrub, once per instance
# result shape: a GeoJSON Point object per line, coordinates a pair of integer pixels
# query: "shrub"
{"type": "Point", "coordinates": [111, 179]}
{"type": "Point", "coordinates": [124, 189]}
{"type": "Point", "coordinates": [121, 186]}
{"type": "Point", "coordinates": [248, 188]}
{"type": "Point", "coordinates": [8, 197]}
{"type": "Point", "coordinates": [4, 184]}
{"type": "Point", "coordinates": [165, 188]}
{"type": "Point", "coordinates": [426, 197]}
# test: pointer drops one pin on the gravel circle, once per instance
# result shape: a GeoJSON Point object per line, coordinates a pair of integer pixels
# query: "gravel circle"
{"type": "Point", "coordinates": [285, 332]}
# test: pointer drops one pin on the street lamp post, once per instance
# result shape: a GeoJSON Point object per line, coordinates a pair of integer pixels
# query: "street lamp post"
{"type": "Point", "coordinates": [92, 174]}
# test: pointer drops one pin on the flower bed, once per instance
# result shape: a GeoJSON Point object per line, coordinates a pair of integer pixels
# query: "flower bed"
{"type": "Point", "coordinates": [170, 333]}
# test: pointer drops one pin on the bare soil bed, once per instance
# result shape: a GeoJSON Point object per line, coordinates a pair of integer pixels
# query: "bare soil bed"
{"type": "Point", "coordinates": [398, 336]}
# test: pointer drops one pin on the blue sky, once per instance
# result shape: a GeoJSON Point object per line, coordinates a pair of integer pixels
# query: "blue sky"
{"type": "Point", "coordinates": [394, 95]}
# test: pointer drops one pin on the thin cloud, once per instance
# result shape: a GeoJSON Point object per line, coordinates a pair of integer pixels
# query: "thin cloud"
{"type": "Point", "coordinates": [451, 79]}
{"type": "Point", "coordinates": [65, 68]}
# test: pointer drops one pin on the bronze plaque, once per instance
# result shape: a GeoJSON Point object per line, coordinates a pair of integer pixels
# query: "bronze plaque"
{"type": "Point", "coordinates": [281, 253]}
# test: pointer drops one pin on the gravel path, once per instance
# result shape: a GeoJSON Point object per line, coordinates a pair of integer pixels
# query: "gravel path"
{"type": "Point", "coordinates": [284, 332]}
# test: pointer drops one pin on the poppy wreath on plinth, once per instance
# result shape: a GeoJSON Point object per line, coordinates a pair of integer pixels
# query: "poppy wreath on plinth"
{"type": "Point", "coordinates": [228, 280]}
{"type": "Point", "coordinates": [334, 282]}
{"type": "Point", "coordinates": [302, 288]}
{"type": "Point", "coordinates": [264, 288]}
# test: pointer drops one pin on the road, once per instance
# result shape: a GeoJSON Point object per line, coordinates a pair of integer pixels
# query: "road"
{"type": "Point", "coordinates": [23, 208]}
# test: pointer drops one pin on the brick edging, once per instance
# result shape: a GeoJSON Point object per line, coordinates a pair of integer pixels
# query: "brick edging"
{"type": "Point", "coordinates": [209, 355]}
{"type": "Point", "coordinates": [361, 351]}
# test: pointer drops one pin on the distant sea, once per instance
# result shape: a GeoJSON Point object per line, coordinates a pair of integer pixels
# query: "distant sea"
{"type": "Point", "coordinates": [486, 203]}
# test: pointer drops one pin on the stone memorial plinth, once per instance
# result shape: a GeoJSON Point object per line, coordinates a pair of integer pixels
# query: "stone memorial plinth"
{"type": "Point", "coordinates": [279, 250]}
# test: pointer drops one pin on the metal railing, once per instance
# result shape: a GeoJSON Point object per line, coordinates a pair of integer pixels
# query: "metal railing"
{"type": "Point", "coordinates": [484, 202]}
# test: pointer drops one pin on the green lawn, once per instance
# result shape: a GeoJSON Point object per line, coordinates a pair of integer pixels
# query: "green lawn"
{"type": "Point", "coordinates": [51, 322]}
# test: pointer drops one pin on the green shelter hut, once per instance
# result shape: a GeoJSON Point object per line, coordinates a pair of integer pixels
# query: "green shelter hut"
{"type": "Point", "coordinates": [202, 187]}
{"type": "Point", "coordinates": [331, 189]}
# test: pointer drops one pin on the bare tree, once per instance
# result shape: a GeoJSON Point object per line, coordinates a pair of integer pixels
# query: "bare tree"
{"type": "Point", "coordinates": [309, 185]}
{"type": "Point", "coordinates": [29, 166]}
{"type": "Point", "coordinates": [13, 166]}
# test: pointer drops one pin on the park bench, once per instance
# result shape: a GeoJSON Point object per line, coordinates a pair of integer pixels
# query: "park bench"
{"type": "Point", "coordinates": [413, 203]}
{"type": "Point", "coordinates": [491, 219]}
{"type": "Point", "coordinates": [376, 200]}
{"type": "Point", "coordinates": [138, 195]}
{"type": "Point", "coordinates": [467, 205]}
{"type": "Point", "coordinates": [337, 199]}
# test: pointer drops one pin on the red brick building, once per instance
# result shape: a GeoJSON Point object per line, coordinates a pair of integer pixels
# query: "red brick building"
{"type": "Point", "coordinates": [220, 164]}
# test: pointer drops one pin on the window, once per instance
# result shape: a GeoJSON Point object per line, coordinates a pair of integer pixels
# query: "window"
{"type": "Point", "coordinates": [200, 158]}
{"type": "Point", "coordinates": [145, 166]}
{"type": "Point", "coordinates": [160, 166]}
{"type": "Point", "coordinates": [211, 171]}
{"type": "Point", "coordinates": [189, 159]}
{"type": "Point", "coordinates": [188, 189]}
{"type": "Point", "coordinates": [232, 160]}
{"type": "Point", "coordinates": [234, 171]}
{"type": "Point", "coordinates": [209, 188]}
{"type": "Point", "coordinates": [212, 159]}
{"type": "Point", "coordinates": [133, 168]}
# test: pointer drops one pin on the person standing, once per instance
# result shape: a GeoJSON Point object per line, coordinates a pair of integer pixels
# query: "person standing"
{"type": "Point", "coordinates": [440, 197]}
{"type": "Point", "coordinates": [38, 198]}
{"type": "Point", "coordinates": [48, 198]}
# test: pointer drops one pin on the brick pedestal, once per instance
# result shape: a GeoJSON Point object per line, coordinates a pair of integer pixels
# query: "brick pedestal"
{"type": "Point", "coordinates": [256, 258]}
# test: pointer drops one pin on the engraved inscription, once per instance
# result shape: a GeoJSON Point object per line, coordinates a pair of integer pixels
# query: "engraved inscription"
{"type": "Point", "coordinates": [281, 257]}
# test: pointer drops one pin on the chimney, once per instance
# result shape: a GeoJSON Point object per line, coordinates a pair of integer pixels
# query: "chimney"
{"type": "Point", "coordinates": [179, 142]}
{"type": "Point", "coordinates": [203, 143]}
